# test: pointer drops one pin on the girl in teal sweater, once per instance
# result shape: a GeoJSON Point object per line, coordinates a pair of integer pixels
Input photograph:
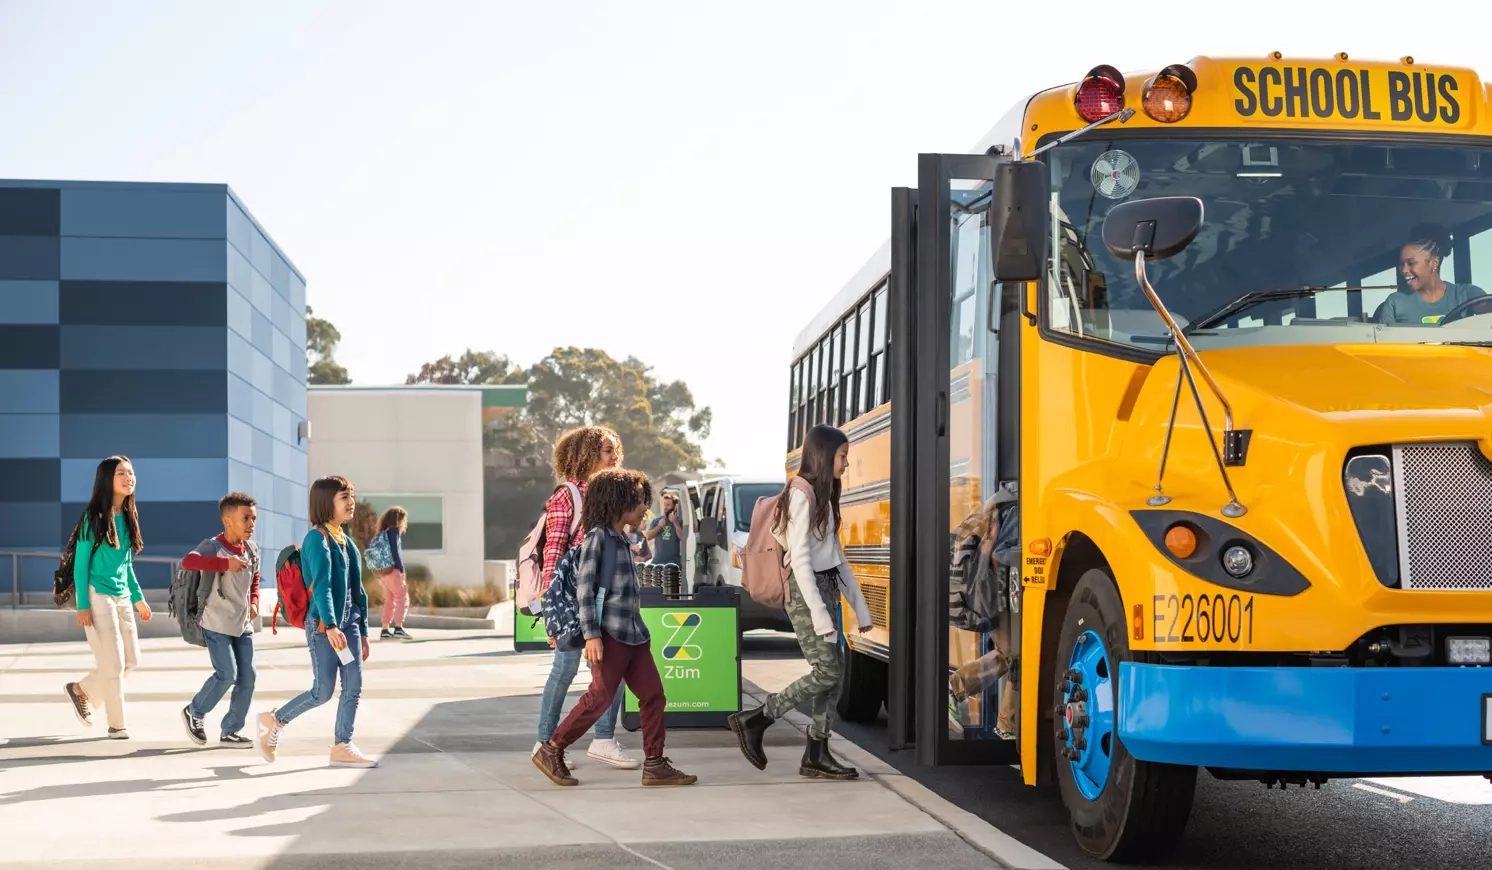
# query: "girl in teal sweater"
{"type": "Point", "coordinates": [336, 624]}
{"type": "Point", "coordinates": [108, 594]}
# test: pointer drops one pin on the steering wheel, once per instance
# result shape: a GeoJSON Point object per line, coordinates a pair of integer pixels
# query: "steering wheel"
{"type": "Point", "coordinates": [1469, 308]}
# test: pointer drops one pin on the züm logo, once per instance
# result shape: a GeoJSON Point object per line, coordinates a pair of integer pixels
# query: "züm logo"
{"type": "Point", "coordinates": [678, 647]}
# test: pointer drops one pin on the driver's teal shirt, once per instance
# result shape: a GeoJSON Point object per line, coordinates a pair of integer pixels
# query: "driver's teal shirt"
{"type": "Point", "coordinates": [1412, 308]}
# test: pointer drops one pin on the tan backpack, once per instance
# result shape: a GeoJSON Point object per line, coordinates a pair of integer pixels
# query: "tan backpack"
{"type": "Point", "coordinates": [765, 568]}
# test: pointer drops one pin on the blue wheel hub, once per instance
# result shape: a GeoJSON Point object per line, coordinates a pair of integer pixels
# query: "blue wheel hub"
{"type": "Point", "coordinates": [1087, 715]}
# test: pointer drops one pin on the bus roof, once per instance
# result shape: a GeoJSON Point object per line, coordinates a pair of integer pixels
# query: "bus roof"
{"type": "Point", "coordinates": [1267, 93]}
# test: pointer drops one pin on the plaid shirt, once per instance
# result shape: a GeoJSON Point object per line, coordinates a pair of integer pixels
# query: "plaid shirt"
{"type": "Point", "coordinates": [622, 616]}
{"type": "Point", "coordinates": [559, 512]}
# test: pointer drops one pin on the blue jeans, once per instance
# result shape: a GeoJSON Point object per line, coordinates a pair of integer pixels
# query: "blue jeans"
{"type": "Point", "coordinates": [561, 675]}
{"type": "Point", "coordinates": [325, 666]}
{"type": "Point", "coordinates": [232, 666]}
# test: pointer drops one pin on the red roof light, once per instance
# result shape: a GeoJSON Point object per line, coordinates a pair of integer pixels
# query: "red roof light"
{"type": "Point", "coordinates": [1100, 94]}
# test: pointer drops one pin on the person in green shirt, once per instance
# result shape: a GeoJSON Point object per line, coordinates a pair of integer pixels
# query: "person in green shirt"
{"type": "Point", "coordinates": [108, 594]}
{"type": "Point", "coordinates": [1425, 297]}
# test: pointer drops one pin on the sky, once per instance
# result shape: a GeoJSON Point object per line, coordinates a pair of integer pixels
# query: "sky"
{"type": "Point", "coordinates": [685, 182]}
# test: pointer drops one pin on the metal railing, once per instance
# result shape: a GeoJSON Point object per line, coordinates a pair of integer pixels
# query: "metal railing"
{"type": "Point", "coordinates": [19, 557]}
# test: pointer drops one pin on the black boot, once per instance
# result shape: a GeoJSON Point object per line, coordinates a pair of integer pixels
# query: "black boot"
{"type": "Point", "coordinates": [818, 762]}
{"type": "Point", "coordinates": [750, 726]}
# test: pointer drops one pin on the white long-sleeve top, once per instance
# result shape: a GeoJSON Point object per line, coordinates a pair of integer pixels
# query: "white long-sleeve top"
{"type": "Point", "coordinates": [807, 553]}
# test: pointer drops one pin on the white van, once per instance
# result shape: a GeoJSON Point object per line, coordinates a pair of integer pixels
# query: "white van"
{"type": "Point", "coordinates": [721, 522]}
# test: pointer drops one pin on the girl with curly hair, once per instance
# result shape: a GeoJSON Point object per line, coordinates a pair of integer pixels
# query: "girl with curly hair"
{"type": "Point", "coordinates": [579, 454]}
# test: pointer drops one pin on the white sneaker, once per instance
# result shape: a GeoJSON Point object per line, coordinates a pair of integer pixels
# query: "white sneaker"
{"type": "Point", "coordinates": [611, 752]}
{"type": "Point", "coordinates": [348, 755]}
{"type": "Point", "coordinates": [569, 762]}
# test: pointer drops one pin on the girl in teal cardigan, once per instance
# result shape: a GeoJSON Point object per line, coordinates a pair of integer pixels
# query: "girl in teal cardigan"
{"type": "Point", "coordinates": [336, 624]}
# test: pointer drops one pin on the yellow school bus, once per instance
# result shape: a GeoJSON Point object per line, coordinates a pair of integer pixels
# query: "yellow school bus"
{"type": "Point", "coordinates": [1220, 326]}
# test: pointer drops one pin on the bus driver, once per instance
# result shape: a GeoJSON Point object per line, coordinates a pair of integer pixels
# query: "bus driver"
{"type": "Point", "coordinates": [1424, 297]}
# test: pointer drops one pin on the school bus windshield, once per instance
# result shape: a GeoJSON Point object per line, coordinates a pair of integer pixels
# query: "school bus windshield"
{"type": "Point", "coordinates": [1304, 242]}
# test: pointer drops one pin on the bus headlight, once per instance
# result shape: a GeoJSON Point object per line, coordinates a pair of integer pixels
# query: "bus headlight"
{"type": "Point", "coordinates": [1468, 650]}
{"type": "Point", "coordinates": [1223, 554]}
{"type": "Point", "coordinates": [1238, 561]}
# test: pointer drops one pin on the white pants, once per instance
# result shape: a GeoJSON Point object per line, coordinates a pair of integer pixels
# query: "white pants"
{"type": "Point", "coordinates": [116, 652]}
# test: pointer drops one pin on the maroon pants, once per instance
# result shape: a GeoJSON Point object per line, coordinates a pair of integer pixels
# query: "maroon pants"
{"type": "Point", "coordinates": [619, 662]}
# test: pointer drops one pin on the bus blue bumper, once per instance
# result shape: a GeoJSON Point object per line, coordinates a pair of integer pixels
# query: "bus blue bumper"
{"type": "Point", "coordinates": [1328, 720]}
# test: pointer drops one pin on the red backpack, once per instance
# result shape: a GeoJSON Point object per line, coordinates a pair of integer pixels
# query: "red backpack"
{"type": "Point", "coordinates": [291, 588]}
{"type": "Point", "coordinates": [765, 566]}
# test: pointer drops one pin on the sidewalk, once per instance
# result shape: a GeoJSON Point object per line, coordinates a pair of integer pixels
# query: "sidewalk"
{"type": "Point", "coordinates": [451, 717]}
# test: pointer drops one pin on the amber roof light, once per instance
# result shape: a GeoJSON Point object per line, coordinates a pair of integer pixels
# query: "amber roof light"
{"type": "Point", "coordinates": [1168, 96]}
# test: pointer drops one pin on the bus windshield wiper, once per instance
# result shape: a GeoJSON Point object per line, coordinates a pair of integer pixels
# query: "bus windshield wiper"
{"type": "Point", "coordinates": [1257, 297]}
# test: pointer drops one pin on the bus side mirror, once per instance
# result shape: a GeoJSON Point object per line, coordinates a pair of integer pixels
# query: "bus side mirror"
{"type": "Point", "coordinates": [1161, 227]}
{"type": "Point", "coordinates": [1020, 232]}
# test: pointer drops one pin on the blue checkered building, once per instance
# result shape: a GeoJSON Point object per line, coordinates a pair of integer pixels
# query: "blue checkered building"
{"type": "Point", "coordinates": [158, 321]}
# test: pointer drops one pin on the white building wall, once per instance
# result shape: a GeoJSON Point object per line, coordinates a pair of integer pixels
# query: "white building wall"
{"type": "Point", "coordinates": [409, 441]}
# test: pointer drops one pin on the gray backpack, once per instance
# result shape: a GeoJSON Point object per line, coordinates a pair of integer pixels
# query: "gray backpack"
{"type": "Point", "coordinates": [188, 600]}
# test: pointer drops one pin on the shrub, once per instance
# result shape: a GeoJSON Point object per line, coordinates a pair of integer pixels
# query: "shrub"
{"type": "Point", "coordinates": [425, 592]}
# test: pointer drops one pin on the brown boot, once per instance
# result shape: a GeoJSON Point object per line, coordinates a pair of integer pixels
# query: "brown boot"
{"type": "Point", "coordinates": [552, 762]}
{"type": "Point", "coordinates": [657, 771]}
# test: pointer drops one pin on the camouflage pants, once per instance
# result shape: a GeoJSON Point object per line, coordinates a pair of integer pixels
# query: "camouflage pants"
{"type": "Point", "coordinates": [822, 682]}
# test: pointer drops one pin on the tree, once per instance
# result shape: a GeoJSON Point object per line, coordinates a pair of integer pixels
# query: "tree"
{"type": "Point", "coordinates": [321, 344]}
{"type": "Point", "coordinates": [657, 422]}
{"type": "Point", "coordinates": [472, 367]}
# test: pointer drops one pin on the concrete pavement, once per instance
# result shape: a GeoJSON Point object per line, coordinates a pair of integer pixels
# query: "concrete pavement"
{"type": "Point", "coordinates": [451, 718]}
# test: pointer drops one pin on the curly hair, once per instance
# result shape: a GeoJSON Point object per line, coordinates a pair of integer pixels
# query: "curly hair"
{"type": "Point", "coordinates": [577, 453]}
{"type": "Point", "coordinates": [612, 492]}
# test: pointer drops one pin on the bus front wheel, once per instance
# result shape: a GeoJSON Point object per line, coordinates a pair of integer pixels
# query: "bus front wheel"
{"type": "Point", "coordinates": [1122, 809]}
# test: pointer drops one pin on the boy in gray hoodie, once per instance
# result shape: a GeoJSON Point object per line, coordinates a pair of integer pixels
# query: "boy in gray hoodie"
{"type": "Point", "coordinates": [230, 567]}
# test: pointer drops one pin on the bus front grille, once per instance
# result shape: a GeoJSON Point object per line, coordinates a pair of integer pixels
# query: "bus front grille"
{"type": "Point", "coordinates": [1443, 497]}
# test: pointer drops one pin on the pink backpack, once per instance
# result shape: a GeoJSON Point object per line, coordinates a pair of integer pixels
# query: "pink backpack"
{"type": "Point", "coordinates": [531, 556]}
{"type": "Point", "coordinates": [764, 564]}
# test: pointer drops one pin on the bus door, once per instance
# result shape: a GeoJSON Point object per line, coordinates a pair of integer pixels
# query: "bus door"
{"type": "Point", "coordinates": [955, 358]}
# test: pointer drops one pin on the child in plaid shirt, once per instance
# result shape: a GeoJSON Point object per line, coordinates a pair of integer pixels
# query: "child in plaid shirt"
{"type": "Point", "coordinates": [617, 644]}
